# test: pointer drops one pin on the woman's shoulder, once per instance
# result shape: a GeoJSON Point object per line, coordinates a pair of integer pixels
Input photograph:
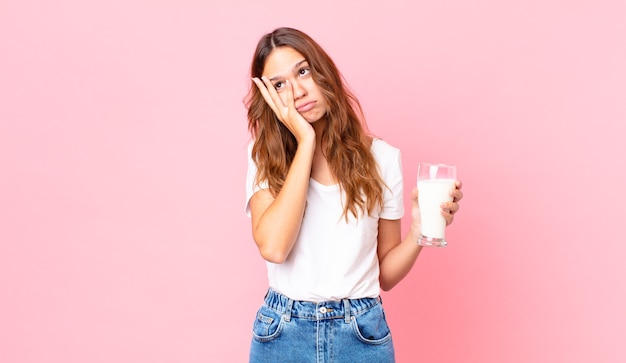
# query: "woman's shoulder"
{"type": "Point", "coordinates": [383, 149]}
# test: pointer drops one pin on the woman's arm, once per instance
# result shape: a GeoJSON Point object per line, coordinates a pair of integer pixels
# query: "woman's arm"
{"type": "Point", "coordinates": [276, 221]}
{"type": "Point", "coordinates": [397, 256]}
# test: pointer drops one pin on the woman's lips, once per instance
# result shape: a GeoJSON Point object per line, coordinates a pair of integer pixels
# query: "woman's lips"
{"type": "Point", "coordinates": [306, 107]}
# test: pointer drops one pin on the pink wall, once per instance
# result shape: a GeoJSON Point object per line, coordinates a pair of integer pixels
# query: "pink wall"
{"type": "Point", "coordinates": [122, 161]}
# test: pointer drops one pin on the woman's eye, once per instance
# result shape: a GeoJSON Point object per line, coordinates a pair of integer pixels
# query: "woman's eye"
{"type": "Point", "coordinates": [304, 71]}
{"type": "Point", "coordinates": [279, 85]}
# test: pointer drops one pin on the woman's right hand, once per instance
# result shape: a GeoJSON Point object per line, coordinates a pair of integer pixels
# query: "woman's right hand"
{"type": "Point", "coordinates": [284, 107]}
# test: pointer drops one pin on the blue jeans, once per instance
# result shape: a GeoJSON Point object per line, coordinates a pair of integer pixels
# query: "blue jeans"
{"type": "Point", "coordinates": [331, 331]}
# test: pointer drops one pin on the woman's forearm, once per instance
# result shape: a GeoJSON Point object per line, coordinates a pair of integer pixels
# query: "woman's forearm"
{"type": "Point", "coordinates": [276, 221]}
{"type": "Point", "coordinates": [398, 261]}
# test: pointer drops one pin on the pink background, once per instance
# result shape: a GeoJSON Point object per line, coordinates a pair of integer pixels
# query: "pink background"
{"type": "Point", "coordinates": [122, 161]}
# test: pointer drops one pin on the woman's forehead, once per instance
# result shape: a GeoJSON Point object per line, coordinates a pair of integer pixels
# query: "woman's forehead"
{"type": "Point", "coordinates": [282, 60]}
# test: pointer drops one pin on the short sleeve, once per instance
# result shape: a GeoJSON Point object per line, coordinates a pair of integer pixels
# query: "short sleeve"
{"type": "Point", "coordinates": [389, 161]}
{"type": "Point", "coordinates": [251, 185]}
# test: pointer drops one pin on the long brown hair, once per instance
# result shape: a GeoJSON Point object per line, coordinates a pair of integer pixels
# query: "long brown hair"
{"type": "Point", "coordinates": [345, 140]}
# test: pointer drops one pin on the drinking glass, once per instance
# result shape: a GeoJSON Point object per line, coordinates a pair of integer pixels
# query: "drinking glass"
{"type": "Point", "coordinates": [434, 184]}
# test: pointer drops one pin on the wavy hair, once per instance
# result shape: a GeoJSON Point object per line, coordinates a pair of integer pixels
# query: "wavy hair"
{"type": "Point", "coordinates": [346, 143]}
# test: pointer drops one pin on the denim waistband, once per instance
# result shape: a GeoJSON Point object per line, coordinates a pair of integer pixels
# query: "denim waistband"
{"type": "Point", "coordinates": [333, 309]}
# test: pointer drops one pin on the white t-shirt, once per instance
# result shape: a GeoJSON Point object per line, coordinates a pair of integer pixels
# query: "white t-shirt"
{"type": "Point", "coordinates": [332, 259]}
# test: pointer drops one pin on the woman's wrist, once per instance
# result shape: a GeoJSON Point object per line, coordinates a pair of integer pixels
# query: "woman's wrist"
{"type": "Point", "coordinates": [413, 235]}
{"type": "Point", "coordinates": [307, 141]}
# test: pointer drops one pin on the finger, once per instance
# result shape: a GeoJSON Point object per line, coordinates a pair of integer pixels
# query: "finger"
{"type": "Point", "coordinates": [265, 93]}
{"type": "Point", "coordinates": [457, 195]}
{"type": "Point", "coordinates": [272, 92]}
{"type": "Point", "coordinates": [449, 207]}
{"type": "Point", "coordinates": [289, 96]}
{"type": "Point", "coordinates": [448, 215]}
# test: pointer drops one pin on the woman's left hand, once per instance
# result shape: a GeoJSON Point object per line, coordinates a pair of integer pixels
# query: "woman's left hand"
{"type": "Point", "coordinates": [449, 209]}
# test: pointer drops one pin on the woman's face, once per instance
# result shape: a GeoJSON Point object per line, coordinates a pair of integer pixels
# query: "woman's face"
{"type": "Point", "coordinates": [287, 64]}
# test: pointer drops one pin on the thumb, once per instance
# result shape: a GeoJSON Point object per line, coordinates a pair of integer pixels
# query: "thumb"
{"type": "Point", "coordinates": [415, 197]}
{"type": "Point", "coordinates": [416, 216]}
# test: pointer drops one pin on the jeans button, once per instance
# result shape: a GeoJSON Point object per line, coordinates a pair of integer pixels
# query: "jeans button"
{"type": "Point", "coordinates": [323, 310]}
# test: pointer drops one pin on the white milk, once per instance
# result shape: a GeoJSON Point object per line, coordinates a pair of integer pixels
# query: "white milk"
{"type": "Point", "coordinates": [433, 192]}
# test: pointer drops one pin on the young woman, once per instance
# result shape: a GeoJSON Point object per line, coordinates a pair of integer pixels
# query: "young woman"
{"type": "Point", "coordinates": [325, 200]}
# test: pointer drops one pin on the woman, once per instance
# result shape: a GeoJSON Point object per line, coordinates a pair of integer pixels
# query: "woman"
{"type": "Point", "coordinates": [325, 201]}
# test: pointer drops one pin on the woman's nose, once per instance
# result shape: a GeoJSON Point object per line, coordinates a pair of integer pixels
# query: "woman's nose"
{"type": "Point", "coordinates": [298, 89]}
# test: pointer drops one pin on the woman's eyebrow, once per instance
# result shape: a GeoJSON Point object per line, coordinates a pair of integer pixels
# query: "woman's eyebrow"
{"type": "Point", "coordinates": [294, 67]}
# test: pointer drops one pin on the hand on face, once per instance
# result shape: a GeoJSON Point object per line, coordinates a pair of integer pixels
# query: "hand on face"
{"type": "Point", "coordinates": [284, 107]}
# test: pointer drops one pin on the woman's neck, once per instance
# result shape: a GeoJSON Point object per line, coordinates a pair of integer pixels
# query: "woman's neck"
{"type": "Point", "coordinates": [320, 170]}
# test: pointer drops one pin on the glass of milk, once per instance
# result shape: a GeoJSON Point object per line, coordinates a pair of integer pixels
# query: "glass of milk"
{"type": "Point", "coordinates": [434, 184]}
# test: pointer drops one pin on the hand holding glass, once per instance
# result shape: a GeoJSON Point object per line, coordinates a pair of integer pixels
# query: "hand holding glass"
{"type": "Point", "coordinates": [434, 184]}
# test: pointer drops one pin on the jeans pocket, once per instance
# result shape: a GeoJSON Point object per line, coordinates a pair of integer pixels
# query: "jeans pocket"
{"type": "Point", "coordinates": [371, 326]}
{"type": "Point", "coordinates": [267, 325]}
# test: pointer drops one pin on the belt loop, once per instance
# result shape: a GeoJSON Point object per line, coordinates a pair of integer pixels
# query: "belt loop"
{"type": "Point", "coordinates": [346, 309]}
{"type": "Point", "coordinates": [288, 311]}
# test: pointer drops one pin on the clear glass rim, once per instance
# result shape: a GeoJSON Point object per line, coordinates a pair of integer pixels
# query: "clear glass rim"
{"type": "Point", "coordinates": [438, 164]}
